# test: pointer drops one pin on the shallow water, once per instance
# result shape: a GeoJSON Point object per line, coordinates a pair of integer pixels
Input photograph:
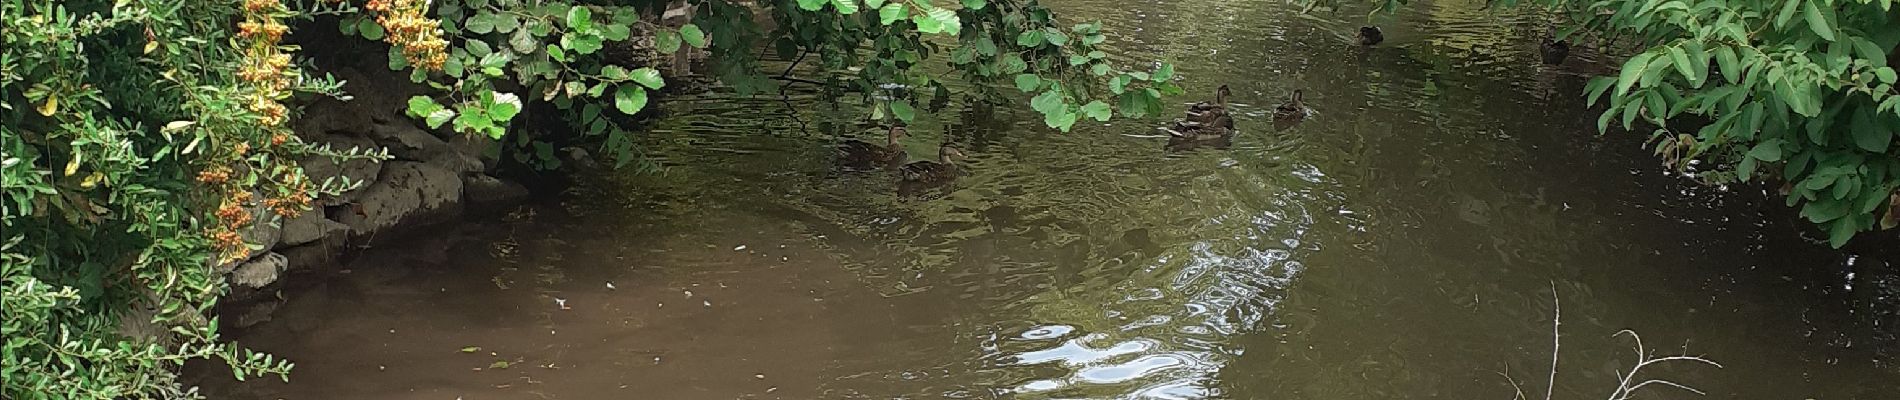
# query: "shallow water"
{"type": "Point", "coordinates": [1414, 239]}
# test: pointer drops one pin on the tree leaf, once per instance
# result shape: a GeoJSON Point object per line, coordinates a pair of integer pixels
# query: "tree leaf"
{"type": "Point", "coordinates": [951, 23]}
{"type": "Point", "coordinates": [811, 5]}
{"type": "Point", "coordinates": [504, 107]}
{"type": "Point", "coordinates": [666, 41]}
{"type": "Point", "coordinates": [481, 23]}
{"type": "Point", "coordinates": [580, 18]}
{"type": "Point", "coordinates": [1787, 13]}
{"type": "Point", "coordinates": [1818, 22]}
{"type": "Point", "coordinates": [1164, 73]}
{"type": "Point", "coordinates": [892, 12]}
{"type": "Point", "coordinates": [1029, 38]}
{"type": "Point", "coordinates": [846, 7]}
{"type": "Point", "coordinates": [693, 36]}
{"type": "Point", "coordinates": [1769, 150]}
{"type": "Point", "coordinates": [1731, 68]}
{"type": "Point", "coordinates": [1632, 70]}
{"type": "Point", "coordinates": [974, 4]}
{"type": "Point", "coordinates": [370, 29]}
{"type": "Point", "coordinates": [438, 117]}
{"type": "Point", "coordinates": [903, 111]}
{"type": "Point", "coordinates": [649, 77]}
{"type": "Point", "coordinates": [630, 99]}
{"type": "Point", "coordinates": [1869, 133]}
{"type": "Point", "coordinates": [1097, 110]}
{"type": "Point", "coordinates": [422, 105]}
{"type": "Point", "coordinates": [1028, 83]}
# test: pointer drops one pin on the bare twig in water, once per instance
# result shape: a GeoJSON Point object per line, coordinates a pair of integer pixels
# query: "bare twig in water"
{"type": "Point", "coordinates": [1626, 382]}
{"type": "Point", "coordinates": [1514, 386]}
{"type": "Point", "coordinates": [1556, 321]}
{"type": "Point", "coordinates": [1643, 359]}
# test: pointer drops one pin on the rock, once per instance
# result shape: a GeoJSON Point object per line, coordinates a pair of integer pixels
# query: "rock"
{"type": "Point", "coordinates": [358, 172]}
{"type": "Point", "coordinates": [308, 227]}
{"type": "Point", "coordinates": [259, 272]}
{"type": "Point", "coordinates": [408, 142]}
{"type": "Point", "coordinates": [483, 192]}
{"type": "Point", "coordinates": [320, 255]}
{"type": "Point", "coordinates": [408, 194]}
{"type": "Point", "coordinates": [483, 148]}
{"type": "Point", "coordinates": [578, 157]}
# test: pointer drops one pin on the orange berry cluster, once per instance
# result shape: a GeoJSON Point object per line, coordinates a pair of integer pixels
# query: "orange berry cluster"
{"type": "Point", "coordinates": [419, 36]}
{"type": "Point", "coordinates": [267, 73]}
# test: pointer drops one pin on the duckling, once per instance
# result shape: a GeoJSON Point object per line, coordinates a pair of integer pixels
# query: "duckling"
{"type": "Point", "coordinates": [858, 154]}
{"type": "Point", "coordinates": [1293, 110]}
{"type": "Point", "coordinates": [932, 172]}
{"type": "Point", "coordinates": [1205, 112]}
{"type": "Point", "coordinates": [1370, 35]}
{"type": "Point", "coordinates": [1221, 126]}
{"type": "Point", "coordinates": [1555, 51]}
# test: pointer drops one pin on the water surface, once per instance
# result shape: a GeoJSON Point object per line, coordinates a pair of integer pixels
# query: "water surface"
{"type": "Point", "coordinates": [1415, 239]}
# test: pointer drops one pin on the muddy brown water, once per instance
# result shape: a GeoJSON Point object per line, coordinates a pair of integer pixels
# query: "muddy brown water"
{"type": "Point", "coordinates": [1412, 240]}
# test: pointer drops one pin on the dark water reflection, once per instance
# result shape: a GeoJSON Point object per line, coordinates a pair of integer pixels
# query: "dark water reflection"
{"type": "Point", "coordinates": [1403, 243]}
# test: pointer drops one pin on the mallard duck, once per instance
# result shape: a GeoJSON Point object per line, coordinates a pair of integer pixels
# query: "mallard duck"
{"type": "Point", "coordinates": [860, 154]}
{"type": "Point", "coordinates": [1555, 51]}
{"type": "Point", "coordinates": [1293, 109]}
{"type": "Point", "coordinates": [1206, 111]}
{"type": "Point", "coordinates": [1221, 126]}
{"type": "Point", "coordinates": [1370, 35]}
{"type": "Point", "coordinates": [940, 171]}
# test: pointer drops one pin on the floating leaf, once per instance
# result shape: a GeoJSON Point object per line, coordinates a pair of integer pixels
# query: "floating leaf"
{"type": "Point", "coordinates": [471, 349]}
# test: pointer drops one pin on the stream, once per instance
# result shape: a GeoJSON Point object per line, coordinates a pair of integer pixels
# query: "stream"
{"type": "Point", "coordinates": [1414, 239]}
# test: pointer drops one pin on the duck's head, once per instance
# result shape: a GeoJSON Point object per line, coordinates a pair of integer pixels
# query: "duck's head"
{"type": "Point", "coordinates": [1221, 93]}
{"type": "Point", "coordinates": [896, 133]}
{"type": "Point", "coordinates": [1299, 95]}
{"type": "Point", "coordinates": [947, 154]}
{"type": "Point", "coordinates": [1370, 31]}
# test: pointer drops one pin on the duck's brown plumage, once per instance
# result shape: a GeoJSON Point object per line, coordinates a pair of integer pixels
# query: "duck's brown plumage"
{"type": "Point", "coordinates": [860, 154]}
{"type": "Point", "coordinates": [1293, 109]}
{"type": "Point", "coordinates": [1207, 111]}
{"type": "Point", "coordinates": [943, 170]}
{"type": "Point", "coordinates": [1221, 126]}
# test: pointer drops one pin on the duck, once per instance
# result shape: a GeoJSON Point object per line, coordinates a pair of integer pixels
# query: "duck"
{"type": "Point", "coordinates": [859, 154]}
{"type": "Point", "coordinates": [1205, 112]}
{"type": "Point", "coordinates": [1370, 35]}
{"type": "Point", "coordinates": [1293, 109]}
{"type": "Point", "coordinates": [932, 172]}
{"type": "Point", "coordinates": [1555, 51]}
{"type": "Point", "coordinates": [1221, 126]}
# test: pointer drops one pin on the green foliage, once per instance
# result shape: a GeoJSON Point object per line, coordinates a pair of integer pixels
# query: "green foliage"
{"type": "Point", "coordinates": [125, 125]}
{"type": "Point", "coordinates": [559, 52]}
{"type": "Point", "coordinates": [1802, 91]}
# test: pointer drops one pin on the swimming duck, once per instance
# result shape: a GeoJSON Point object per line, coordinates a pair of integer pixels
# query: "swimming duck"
{"type": "Point", "coordinates": [1294, 109]}
{"type": "Point", "coordinates": [1221, 126]}
{"type": "Point", "coordinates": [1555, 51]}
{"type": "Point", "coordinates": [1205, 112]}
{"type": "Point", "coordinates": [860, 154]}
{"type": "Point", "coordinates": [1370, 35]}
{"type": "Point", "coordinates": [940, 171]}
